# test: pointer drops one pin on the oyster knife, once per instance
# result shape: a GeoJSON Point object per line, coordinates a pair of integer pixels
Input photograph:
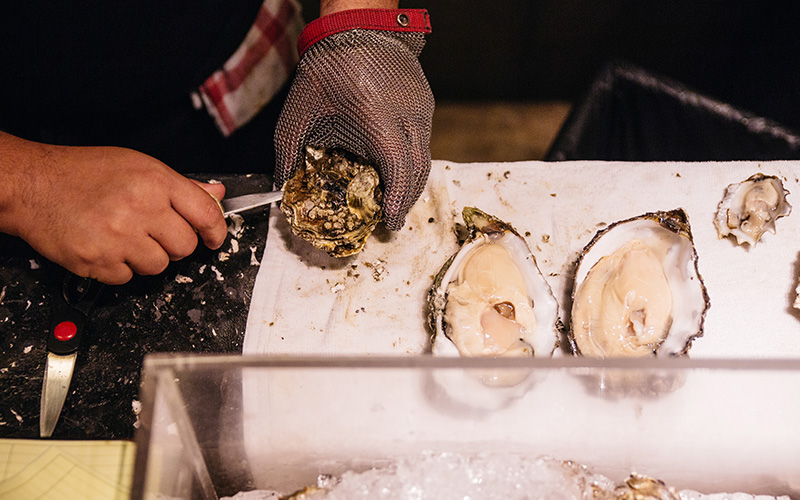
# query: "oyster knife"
{"type": "Point", "coordinates": [70, 307]}
{"type": "Point", "coordinates": [249, 201]}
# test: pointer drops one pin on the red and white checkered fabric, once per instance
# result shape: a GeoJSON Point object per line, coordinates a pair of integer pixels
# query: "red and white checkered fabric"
{"type": "Point", "coordinates": [258, 69]}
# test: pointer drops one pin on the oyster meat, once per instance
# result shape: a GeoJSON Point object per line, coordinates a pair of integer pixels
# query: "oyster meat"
{"type": "Point", "coordinates": [333, 201]}
{"type": "Point", "coordinates": [750, 208]}
{"type": "Point", "coordinates": [490, 299]}
{"type": "Point", "coordinates": [637, 290]}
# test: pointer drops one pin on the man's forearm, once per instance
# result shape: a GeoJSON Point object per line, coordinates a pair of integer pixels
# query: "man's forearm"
{"type": "Point", "coordinates": [331, 6]}
{"type": "Point", "coordinates": [17, 158]}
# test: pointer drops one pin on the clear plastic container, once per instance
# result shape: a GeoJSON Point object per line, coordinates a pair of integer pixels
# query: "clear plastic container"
{"type": "Point", "coordinates": [215, 425]}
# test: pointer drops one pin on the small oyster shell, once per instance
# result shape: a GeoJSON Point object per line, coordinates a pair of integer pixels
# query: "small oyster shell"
{"type": "Point", "coordinates": [307, 493]}
{"type": "Point", "coordinates": [639, 487]}
{"type": "Point", "coordinates": [796, 302]}
{"type": "Point", "coordinates": [333, 201]}
{"type": "Point", "coordinates": [492, 283]}
{"type": "Point", "coordinates": [637, 289]}
{"type": "Point", "coordinates": [750, 208]}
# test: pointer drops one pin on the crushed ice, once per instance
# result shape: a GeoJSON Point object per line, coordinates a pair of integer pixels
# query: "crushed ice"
{"type": "Point", "coordinates": [453, 476]}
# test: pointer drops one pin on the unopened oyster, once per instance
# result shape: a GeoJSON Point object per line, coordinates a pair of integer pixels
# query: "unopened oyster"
{"type": "Point", "coordinates": [307, 493]}
{"type": "Point", "coordinates": [490, 299]}
{"type": "Point", "coordinates": [750, 208]}
{"type": "Point", "coordinates": [637, 289]}
{"type": "Point", "coordinates": [639, 487]}
{"type": "Point", "coordinates": [333, 201]}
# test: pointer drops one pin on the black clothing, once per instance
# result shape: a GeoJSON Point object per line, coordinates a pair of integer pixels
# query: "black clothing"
{"type": "Point", "coordinates": [121, 72]}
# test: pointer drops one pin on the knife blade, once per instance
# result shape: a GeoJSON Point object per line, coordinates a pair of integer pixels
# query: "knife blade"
{"type": "Point", "coordinates": [57, 376]}
{"type": "Point", "coordinates": [70, 308]}
{"type": "Point", "coordinates": [249, 201]}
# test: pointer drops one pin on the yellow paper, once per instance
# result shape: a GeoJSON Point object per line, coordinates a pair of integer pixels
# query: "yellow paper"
{"type": "Point", "coordinates": [65, 470]}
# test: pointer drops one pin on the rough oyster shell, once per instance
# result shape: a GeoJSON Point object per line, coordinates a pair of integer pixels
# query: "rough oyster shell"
{"type": "Point", "coordinates": [492, 283]}
{"type": "Point", "coordinates": [639, 487]}
{"type": "Point", "coordinates": [750, 208]}
{"type": "Point", "coordinates": [333, 201]}
{"type": "Point", "coordinates": [637, 289]}
{"type": "Point", "coordinates": [307, 493]}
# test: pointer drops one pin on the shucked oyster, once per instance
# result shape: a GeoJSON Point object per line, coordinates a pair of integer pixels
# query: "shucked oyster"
{"type": "Point", "coordinates": [750, 208]}
{"type": "Point", "coordinates": [490, 299]}
{"type": "Point", "coordinates": [637, 289]}
{"type": "Point", "coordinates": [333, 201]}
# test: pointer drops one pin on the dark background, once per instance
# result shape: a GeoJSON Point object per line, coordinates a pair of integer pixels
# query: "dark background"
{"type": "Point", "coordinates": [741, 52]}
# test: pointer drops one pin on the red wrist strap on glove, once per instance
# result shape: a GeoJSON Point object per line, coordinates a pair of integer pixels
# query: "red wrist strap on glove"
{"type": "Point", "coordinates": [398, 20]}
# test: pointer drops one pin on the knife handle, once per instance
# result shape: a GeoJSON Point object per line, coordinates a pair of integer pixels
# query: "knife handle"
{"type": "Point", "coordinates": [66, 329]}
{"type": "Point", "coordinates": [70, 309]}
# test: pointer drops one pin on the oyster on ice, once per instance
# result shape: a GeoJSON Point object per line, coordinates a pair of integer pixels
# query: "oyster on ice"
{"type": "Point", "coordinates": [750, 208]}
{"type": "Point", "coordinates": [639, 487]}
{"type": "Point", "coordinates": [490, 299]}
{"type": "Point", "coordinates": [333, 201]}
{"type": "Point", "coordinates": [637, 289]}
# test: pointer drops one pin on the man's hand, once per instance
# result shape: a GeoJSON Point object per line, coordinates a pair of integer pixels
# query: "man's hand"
{"type": "Point", "coordinates": [104, 212]}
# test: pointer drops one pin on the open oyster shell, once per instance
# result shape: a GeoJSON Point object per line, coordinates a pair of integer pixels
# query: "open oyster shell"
{"type": "Point", "coordinates": [750, 208]}
{"type": "Point", "coordinates": [637, 290]}
{"type": "Point", "coordinates": [490, 299]}
{"type": "Point", "coordinates": [333, 201]}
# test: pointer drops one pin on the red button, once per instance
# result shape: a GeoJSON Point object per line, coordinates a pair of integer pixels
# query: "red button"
{"type": "Point", "coordinates": [65, 330]}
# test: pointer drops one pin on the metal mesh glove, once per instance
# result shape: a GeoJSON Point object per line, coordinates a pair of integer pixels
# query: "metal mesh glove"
{"type": "Point", "coordinates": [363, 90]}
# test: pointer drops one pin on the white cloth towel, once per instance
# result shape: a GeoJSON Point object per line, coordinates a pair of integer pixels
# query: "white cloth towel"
{"type": "Point", "coordinates": [305, 302]}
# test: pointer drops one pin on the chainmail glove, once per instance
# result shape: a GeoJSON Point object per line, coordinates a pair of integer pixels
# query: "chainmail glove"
{"type": "Point", "coordinates": [359, 86]}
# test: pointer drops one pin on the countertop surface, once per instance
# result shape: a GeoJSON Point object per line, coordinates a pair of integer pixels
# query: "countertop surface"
{"type": "Point", "coordinates": [199, 304]}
